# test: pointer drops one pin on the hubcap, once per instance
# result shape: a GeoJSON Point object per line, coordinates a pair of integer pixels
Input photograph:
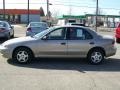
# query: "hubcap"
{"type": "Point", "coordinates": [22, 56]}
{"type": "Point", "coordinates": [96, 57]}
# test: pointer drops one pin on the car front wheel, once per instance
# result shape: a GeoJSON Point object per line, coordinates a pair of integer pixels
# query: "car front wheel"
{"type": "Point", "coordinates": [22, 55]}
{"type": "Point", "coordinates": [95, 56]}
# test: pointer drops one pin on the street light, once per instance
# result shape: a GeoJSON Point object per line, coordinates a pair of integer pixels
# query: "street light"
{"type": "Point", "coordinates": [4, 9]}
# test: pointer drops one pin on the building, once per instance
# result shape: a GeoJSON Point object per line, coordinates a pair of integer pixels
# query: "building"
{"type": "Point", "coordinates": [71, 19]}
{"type": "Point", "coordinates": [90, 20]}
{"type": "Point", "coordinates": [104, 20]}
{"type": "Point", "coordinates": [20, 15]}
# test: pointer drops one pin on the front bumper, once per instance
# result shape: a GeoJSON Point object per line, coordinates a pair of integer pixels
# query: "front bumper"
{"type": "Point", "coordinates": [30, 34]}
{"type": "Point", "coordinates": [5, 52]}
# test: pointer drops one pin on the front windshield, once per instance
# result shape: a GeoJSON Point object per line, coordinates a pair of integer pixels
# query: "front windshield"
{"type": "Point", "coordinates": [41, 34]}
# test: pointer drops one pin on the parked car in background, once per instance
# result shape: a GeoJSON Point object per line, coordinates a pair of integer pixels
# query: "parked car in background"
{"type": "Point", "coordinates": [6, 30]}
{"type": "Point", "coordinates": [117, 33]}
{"type": "Point", "coordinates": [35, 27]}
{"type": "Point", "coordinates": [77, 24]}
{"type": "Point", "coordinates": [62, 41]}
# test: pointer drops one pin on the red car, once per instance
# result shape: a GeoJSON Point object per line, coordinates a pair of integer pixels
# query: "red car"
{"type": "Point", "coordinates": [117, 33]}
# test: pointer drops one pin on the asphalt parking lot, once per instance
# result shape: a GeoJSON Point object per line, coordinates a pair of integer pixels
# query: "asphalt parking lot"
{"type": "Point", "coordinates": [60, 74]}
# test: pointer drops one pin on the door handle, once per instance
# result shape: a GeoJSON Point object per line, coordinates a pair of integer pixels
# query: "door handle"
{"type": "Point", "coordinates": [92, 43]}
{"type": "Point", "coordinates": [63, 43]}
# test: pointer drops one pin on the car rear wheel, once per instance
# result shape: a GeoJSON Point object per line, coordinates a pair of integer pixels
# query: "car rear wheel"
{"type": "Point", "coordinates": [22, 55]}
{"type": "Point", "coordinates": [12, 35]}
{"type": "Point", "coordinates": [96, 57]}
{"type": "Point", "coordinates": [8, 36]}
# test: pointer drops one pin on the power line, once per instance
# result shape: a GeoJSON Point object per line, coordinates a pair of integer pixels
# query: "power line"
{"type": "Point", "coordinates": [68, 5]}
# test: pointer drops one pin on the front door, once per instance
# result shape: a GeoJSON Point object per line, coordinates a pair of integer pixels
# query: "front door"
{"type": "Point", "coordinates": [54, 44]}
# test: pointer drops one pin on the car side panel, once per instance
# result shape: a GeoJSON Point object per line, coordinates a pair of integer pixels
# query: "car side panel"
{"type": "Point", "coordinates": [79, 48]}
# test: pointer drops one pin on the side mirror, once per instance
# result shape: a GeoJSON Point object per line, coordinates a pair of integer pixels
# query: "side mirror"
{"type": "Point", "coordinates": [44, 38]}
{"type": "Point", "coordinates": [47, 28]}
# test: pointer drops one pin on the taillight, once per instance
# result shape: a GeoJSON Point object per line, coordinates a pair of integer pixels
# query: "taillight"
{"type": "Point", "coordinates": [29, 29]}
{"type": "Point", "coordinates": [2, 29]}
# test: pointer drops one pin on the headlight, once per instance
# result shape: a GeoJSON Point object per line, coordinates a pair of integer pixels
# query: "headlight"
{"type": "Point", "coordinates": [4, 45]}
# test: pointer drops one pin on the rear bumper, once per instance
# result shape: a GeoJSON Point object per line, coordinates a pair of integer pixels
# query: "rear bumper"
{"type": "Point", "coordinates": [111, 51]}
{"type": "Point", "coordinates": [117, 35]}
{"type": "Point", "coordinates": [4, 34]}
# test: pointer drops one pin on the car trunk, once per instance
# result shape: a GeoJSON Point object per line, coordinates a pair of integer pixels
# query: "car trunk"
{"type": "Point", "coordinates": [37, 29]}
{"type": "Point", "coordinates": [2, 29]}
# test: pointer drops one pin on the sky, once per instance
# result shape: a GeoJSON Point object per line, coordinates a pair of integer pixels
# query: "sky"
{"type": "Point", "coordinates": [67, 7]}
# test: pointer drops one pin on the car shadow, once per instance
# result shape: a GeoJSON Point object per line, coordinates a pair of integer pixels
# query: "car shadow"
{"type": "Point", "coordinates": [80, 65]}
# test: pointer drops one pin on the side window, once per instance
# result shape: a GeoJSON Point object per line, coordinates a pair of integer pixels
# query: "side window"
{"type": "Point", "coordinates": [58, 34]}
{"type": "Point", "coordinates": [88, 35]}
{"type": "Point", "coordinates": [79, 34]}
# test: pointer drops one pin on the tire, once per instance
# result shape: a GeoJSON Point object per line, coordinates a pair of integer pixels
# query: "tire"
{"type": "Point", "coordinates": [8, 37]}
{"type": "Point", "coordinates": [95, 57]}
{"type": "Point", "coordinates": [12, 36]}
{"type": "Point", "coordinates": [22, 55]}
{"type": "Point", "coordinates": [118, 40]}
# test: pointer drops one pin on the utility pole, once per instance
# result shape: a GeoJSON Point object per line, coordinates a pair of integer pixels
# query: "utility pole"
{"type": "Point", "coordinates": [28, 12]}
{"type": "Point", "coordinates": [4, 9]}
{"type": "Point", "coordinates": [47, 10]}
{"type": "Point", "coordinates": [96, 15]}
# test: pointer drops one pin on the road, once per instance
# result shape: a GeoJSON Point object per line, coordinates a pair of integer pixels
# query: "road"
{"type": "Point", "coordinates": [60, 74]}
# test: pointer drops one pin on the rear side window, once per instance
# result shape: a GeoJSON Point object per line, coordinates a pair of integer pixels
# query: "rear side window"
{"type": "Point", "coordinates": [78, 34]}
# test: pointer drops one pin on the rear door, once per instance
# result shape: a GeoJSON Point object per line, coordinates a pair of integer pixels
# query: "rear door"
{"type": "Point", "coordinates": [79, 41]}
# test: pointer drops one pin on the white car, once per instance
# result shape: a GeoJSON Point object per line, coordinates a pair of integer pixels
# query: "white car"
{"type": "Point", "coordinates": [6, 30]}
{"type": "Point", "coordinates": [35, 28]}
{"type": "Point", "coordinates": [63, 41]}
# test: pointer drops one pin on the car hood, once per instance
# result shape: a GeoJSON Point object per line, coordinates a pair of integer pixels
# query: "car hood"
{"type": "Point", "coordinates": [18, 40]}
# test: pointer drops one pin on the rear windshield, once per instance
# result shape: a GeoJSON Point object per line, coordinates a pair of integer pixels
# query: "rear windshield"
{"type": "Point", "coordinates": [38, 25]}
{"type": "Point", "coordinates": [2, 24]}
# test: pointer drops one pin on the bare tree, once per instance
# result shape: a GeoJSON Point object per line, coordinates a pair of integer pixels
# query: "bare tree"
{"type": "Point", "coordinates": [55, 13]}
{"type": "Point", "coordinates": [42, 12]}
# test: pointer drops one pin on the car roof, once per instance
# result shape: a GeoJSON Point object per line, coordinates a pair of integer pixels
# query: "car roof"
{"type": "Point", "coordinates": [71, 26]}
